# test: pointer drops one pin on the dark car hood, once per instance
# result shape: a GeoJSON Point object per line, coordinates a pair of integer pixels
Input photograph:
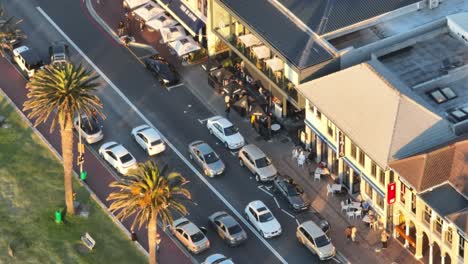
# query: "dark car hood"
{"type": "Point", "coordinates": [297, 200]}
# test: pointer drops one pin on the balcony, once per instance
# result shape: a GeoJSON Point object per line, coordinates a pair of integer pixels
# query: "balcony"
{"type": "Point", "coordinates": [277, 78]}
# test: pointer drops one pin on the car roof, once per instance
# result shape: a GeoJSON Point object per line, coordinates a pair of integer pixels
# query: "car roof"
{"type": "Point", "coordinates": [58, 48]}
{"type": "Point", "coordinates": [312, 228]}
{"type": "Point", "coordinates": [150, 134]}
{"type": "Point", "coordinates": [189, 227]}
{"type": "Point", "coordinates": [227, 220]}
{"type": "Point", "coordinates": [224, 122]}
{"type": "Point", "coordinates": [204, 148]}
{"type": "Point", "coordinates": [254, 151]}
{"type": "Point", "coordinates": [257, 205]}
{"type": "Point", "coordinates": [119, 150]}
{"type": "Point", "coordinates": [28, 55]}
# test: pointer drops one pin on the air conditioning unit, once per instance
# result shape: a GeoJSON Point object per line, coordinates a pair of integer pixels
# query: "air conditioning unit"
{"type": "Point", "coordinates": [433, 3]}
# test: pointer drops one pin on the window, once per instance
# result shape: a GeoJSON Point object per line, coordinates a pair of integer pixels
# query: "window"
{"type": "Point", "coordinates": [368, 190]}
{"type": "Point", "coordinates": [380, 201]}
{"type": "Point", "coordinates": [362, 158]}
{"type": "Point", "coordinates": [391, 177]}
{"type": "Point", "coordinates": [373, 169]}
{"type": "Point", "coordinates": [330, 128]}
{"type": "Point", "coordinates": [441, 95]}
{"type": "Point", "coordinates": [382, 176]}
{"type": "Point", "coordinates": [427, 214]}
{"type": "Point", "coordinates": [413, 203]}
{"type": "Point", "coordinates": [318, 114]}
{"type": "Point", "coordinates": [402, 193]}
{"type": "Point", "coordinates": [199, 5]}
{"type": "Point", "coordinates": [461, 247]}
{"type": "Point", "coordinates": [353, 151]}
{"type": "Point", "coordinates": [438, 224]}
{"type": "Point", "coordinates": [448, 235]}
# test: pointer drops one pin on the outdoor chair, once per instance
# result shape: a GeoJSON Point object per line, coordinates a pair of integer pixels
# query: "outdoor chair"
{"type": "Point", "coordinates": [317, 176]}
{"type": "Point", "coordinates": [88, 241]}
{"type": "Point", "coordinates": [344, 207]}
{"type": "Point", "coordinates": [329, 190]}
{"type": "Point", "coordinates": [350, 214]}
{"type": "Point", "coordinates": [373, 225]}
{"type": "Point", "coordinates": [358, 213]}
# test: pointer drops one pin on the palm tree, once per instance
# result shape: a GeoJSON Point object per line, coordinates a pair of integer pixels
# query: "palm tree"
{"type": "Point", "coordinates": [63, 91]}
{"type": "Point", "coordinates": [9, 33]}
{"type": "Point", "coordinates": [149, 196]}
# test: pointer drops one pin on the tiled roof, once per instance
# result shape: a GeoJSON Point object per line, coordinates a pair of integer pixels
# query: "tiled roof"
{"type": "Point", "coordinates": [445, 200]}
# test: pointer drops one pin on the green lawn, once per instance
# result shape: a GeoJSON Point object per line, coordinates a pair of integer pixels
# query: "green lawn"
{"type": "Point", "coordinates": [31, 189]}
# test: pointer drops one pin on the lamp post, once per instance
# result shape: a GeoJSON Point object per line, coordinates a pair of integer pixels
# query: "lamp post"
{"type": "Point", "coordinates": [83, 174]}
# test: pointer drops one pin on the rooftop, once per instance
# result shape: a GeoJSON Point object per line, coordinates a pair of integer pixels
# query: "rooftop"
{"type": "Point", "coordinates": [437, 199]}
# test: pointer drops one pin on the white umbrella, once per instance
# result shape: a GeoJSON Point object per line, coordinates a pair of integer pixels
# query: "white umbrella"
{"type": "Point", "coordinates": [184, 46]}
{"type": "Point", "coordinates": [134, 3]}
{"type": "Point", "coordinates": [169, 34]}
{"type": "Point", "coordinates": [249, 40]}
{"type": "Point", "coordinates": [275, 64]}
{"type": "Point", "coordinates": [160, 22]}
{"type": "Point", "coordinates": [148, 11]}
{"type": "Point", "coordinates": [262, 52]}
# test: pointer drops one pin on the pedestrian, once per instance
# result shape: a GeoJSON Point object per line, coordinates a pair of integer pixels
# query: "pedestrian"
{"type": "Point", "coordinates": [120, 28]}
{"type": "Point", "coordinates": [142, 25]}
{"type": "Point", "coordinates": [295, 153]}
{"type": "Point", "coordinates": [348, 232]}
{"type": "Point", "coordinates": [301, 159]}
{"type": "Point", "coordinates": [228, 109]}
{"type": "Point", "coordinates": [384, 238]}
{"type": "Point", "coordinates": [158, 241]}
{"type": "Point", "coordinates": [133, 235]}
{"type": "Point", "coordinates": [252, 120]}
{"type": "Point", "coordinates": [353, 233]}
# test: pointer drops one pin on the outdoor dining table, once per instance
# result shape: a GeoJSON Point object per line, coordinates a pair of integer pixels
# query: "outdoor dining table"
{"type": "Point", "coordinates": [369, 218]}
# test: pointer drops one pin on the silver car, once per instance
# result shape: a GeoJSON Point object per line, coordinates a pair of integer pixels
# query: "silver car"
{"type": "Point", "coordinates": [190, 235]}
{"type": "Point", "coordinates": [228, 228]}
{"type": "Point", "coordinates": [90, 129]}
{"type": "Point", "coordinates": [257, 162]}
{"type": "Point", "coordinates": [206, 158]}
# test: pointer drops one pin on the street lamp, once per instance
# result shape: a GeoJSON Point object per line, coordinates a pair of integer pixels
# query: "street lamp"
{"type": "Point", "coordinates": [83, 174]}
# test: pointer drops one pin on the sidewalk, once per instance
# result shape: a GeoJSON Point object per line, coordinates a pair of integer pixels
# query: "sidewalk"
{"type": "Point", "coordinates": [279, 149]}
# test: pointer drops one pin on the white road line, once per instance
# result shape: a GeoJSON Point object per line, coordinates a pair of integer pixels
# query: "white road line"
{"type": "Point", "coordinates": [201, 121]}
{"type": "Point", "coordinates": [265, 191]}
{"type": "Point", "coordinates": [297, 221]}
{"type": "Point", "coordinates": [286, 212]}
{"type": "Point", "coordinates": [176, 151]}
{"type": "Point", "coordinates": [276, 201]}
{"type": "Point", "coordinates": [174, 86]}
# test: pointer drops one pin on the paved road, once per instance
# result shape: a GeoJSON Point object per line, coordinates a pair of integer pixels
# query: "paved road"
{"type": "Point", "coordinates": [176, 113]}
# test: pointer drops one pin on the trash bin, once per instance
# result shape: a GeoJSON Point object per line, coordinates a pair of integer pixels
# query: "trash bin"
{"type": "Point", "coordinates": [83, 175]}
{"type": "Point", "coordinates": [58, 217]}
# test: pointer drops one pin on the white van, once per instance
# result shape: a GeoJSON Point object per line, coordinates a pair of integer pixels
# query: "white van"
{"type": "Point", "coordinates": [27, 60]}
{"type": "Point", "coordinates": [312, 237]}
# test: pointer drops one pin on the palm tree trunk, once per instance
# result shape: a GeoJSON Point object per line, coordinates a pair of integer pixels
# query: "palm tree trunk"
{"type": "Point", "coordinates": [152, 231]}
{"type": "Point", "coordinates": [67, 154]}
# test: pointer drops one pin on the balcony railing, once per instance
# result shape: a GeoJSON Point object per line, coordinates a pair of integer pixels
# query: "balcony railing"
{"type": "Point", "coordinates": [280, 81]}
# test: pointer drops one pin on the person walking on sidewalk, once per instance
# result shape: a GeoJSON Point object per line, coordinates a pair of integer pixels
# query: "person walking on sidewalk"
{"type": "Point", "coordinates": [295, 153]}
{"type": "Point", "coordinates": [120, 28]}
{"type": "Point", "coordinates": [384, 238]}
{"type": "Point", "coordinates": [301, 159]}
{"type": "Point", "coordinates": [228, 109]}
{"type": "Point", "coordinates": [348, 232]}
{"type": "Point", "coordinates": [353, 233]}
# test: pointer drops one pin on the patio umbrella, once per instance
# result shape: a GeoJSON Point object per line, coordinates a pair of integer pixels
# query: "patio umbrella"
{"type": "Point", "coordinates": [262, 52]}
{"type": "Point", "coordinates": [169, 34]}
{"type": "Point", "coordinates": [148, 11]}
{"type": "Point", "coordinates": [131, 4]}
{"type": "Point", "coordinates": [249, 40]}
{"type": "Point", "coordinates": [275, 64]}
{"type": "Point", "coordinates": [161, 21]}
{"type": "Point", "coordinates": [184, 46]}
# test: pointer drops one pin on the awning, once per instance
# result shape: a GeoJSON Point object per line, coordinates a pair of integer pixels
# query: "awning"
{"type": "Point", "coordinates": [148, 11]}
{"type": "Point", "coordinates": [249, 40]}
{"type": "Point", "coordinates": [160, 22]}
{"type": "Point", "coordinates": [275, 64]}
{"type": "Point", "coordinates": [185, 16]}
{"type": "Point", "coordinates": [131, 4]}
{"type": "Point", "coordinates": [174, 33]}
{"type": "Point", "coordinates": [262, 52]}
{"type": "Point", "coordinates": [184, 46]}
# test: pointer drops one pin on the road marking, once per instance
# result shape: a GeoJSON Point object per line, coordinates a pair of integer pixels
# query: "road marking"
{"type": "Point", "coordinates": [174, 86]}
{"type": "Point", "coordinates": [276, 201]}
{"type": "Point", "coordinates": [297, 221]}
{"type": "Point", "coordinates": [286, 212]}
{"type": "Point", "coordinates": [201, 121]}
{"type": "Point", "coordinates": [265, 191]}
{"type": "Point", "coordinates": [176, 151]}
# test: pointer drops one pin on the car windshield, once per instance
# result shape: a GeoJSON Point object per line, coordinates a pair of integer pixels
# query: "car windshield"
{"type": "Point", "coordinates": [235, 229]}
{"type": "Point", "coordinates": [90, 126]}
{"type": "Point", "coordinates": [197, 237]}
{"type": "Point", "coordinates": [231, 130]}
{"type": "Point", "coordinates": [156, 142]}
{"type": "Point", "coordinates": [262, 162]}
{"type": "Point", "coordinates": [292, 191]}
{"type": "Point", "coordinates": [322, 241]}
{"type": "Point", "coordinates": [266, 217]}
{"type": "Point", "coordinates": [211, 158]}
{"type": "Point", "coordinates": [126, 158]}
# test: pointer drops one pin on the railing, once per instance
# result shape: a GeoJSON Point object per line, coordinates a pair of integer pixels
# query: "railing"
{"type": "Point", "coordinates": [281, 82]}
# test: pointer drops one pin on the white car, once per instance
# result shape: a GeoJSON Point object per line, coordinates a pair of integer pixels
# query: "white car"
{"type": "Point", "coordinates": [89, 129]}
{"type": "Point", "coordinates": [226, 132]}
{"type": "Point", "coordinates": [217, 259]}
{"type": "Point", "coordinates": [262, 219]}
{"type": "Point", "coordinates": [118, 157]}
{"type": "Point", "coordinates": [148, 139]}
{"type": "Point", "coordinates": [190, 235]}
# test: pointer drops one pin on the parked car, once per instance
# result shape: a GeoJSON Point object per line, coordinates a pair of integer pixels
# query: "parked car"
{"type": "Point", "coordinates": [190, 235]}
{"type": "Point", "coordinates": [90, 129]}
{"type": "Point", "coordinates": [206, 158]}
{"type": "Point", "coordinates": [295, 197]}
{"type": "Point", "coordinates": [148, 139]}
{"type": "Point", "coordinates": [217, 259]}
{"type": "Point", "coordinates": [228, 228]}
{"type": "Point", "coordinates": [319, 220]}
{"type": "Point", "coordinates": [28, 61]}
{"type": "Point", "coordinates": [312, 237]}
{"type": "Point", "coordinates": [118, 157]}
{"type": "Point", "coordinates": [258, 163]}
{"type": "Point", "coordinates": [226, 132]}
{"type": "Point", "coordinates": [262, 219]}
{"type": "Point", "coordinates": [59, 53]}
{"type": "Point", "coordinates": [164, 72]}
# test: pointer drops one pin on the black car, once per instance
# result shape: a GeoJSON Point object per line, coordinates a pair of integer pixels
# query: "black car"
{"type": "Point", "coordinates": [293, 195]}
{"type": "Point", "coordinates": [165, 72]}
{"type": "Point", "coordinates": [59, 53]}
{"type": "Point", "coordinates": [318, 219]}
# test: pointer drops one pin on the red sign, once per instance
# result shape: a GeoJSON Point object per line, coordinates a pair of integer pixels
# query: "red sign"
{"type": "Point", "coordinates": [391, 193]}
